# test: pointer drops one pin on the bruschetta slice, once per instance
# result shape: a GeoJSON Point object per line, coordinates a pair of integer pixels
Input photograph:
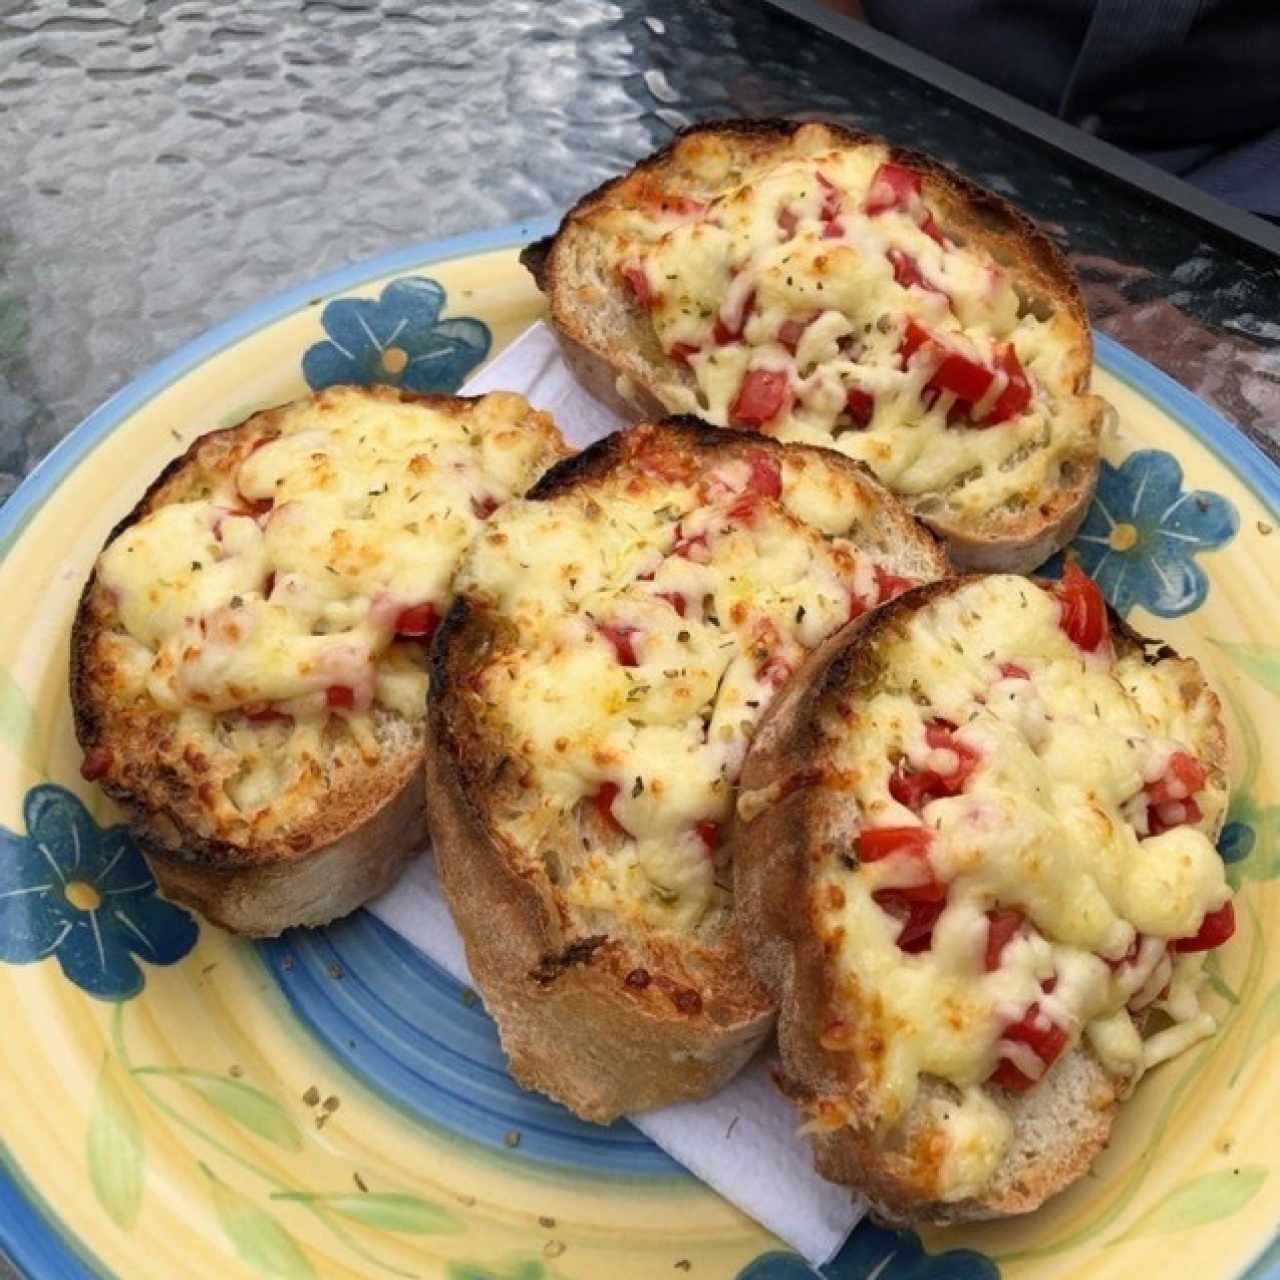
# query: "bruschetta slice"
{"type": "Point", "coordinates": [975, 865]}
{"type": "Point", "coordinates": [818, 285]}
{"type": "Point", "coordinates": [248, 663]}
{"type": "Point", "coordinates": [616, 638]}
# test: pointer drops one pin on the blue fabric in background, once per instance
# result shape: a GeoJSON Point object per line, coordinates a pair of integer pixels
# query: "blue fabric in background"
{"type": "Point", "coordinates": [1191, 85]}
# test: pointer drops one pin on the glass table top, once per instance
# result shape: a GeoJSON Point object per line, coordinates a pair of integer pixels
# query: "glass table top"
{"type": "Point", "coordinates": [164, 167]}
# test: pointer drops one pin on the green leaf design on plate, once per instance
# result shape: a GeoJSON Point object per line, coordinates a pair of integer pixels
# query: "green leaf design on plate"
{"type": "Point", "coordinates": [389, 1211]}
{"type": "Point", "coordinates": [530, 1270]}
{"type": "Point", "coordinates": [246, 1105]}
{"type": "Point", "coordinates": [1204, 1199]}
{"type": "Point", "coordinates": [17, 721]}
{"type": "Point", "coordinates": [258, 1238]}
{"type": "Point", "coordinates": [1265, 1025]}
{"type": "Point", "coordinates": [115, 1151]}
{"type": "Point", "coordinates": [1261, 661]}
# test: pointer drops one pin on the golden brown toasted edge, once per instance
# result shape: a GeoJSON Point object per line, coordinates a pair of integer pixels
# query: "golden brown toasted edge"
{"type": "Point", "coordinates": [581, 1019]}
{"type": "Point", "coordinates": [1060, 1129]}
{"type": "Point", "coordinates": [350, 850]}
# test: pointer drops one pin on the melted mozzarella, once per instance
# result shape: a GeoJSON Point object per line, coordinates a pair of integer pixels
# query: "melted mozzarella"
{"type": "Point", "coordinates": [1041, 826]}
{"type": "Point", "coordinates": [669, 732]}
{"type": "Point", "coordinates": [292, 575]}
{"type": "Point", "coordinates": [766, 241]}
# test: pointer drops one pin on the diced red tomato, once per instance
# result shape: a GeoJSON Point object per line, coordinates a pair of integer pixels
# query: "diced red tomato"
{"type": "Point", "coordinates": [1214, 930]}
{"type": "Point", "coordinates": [913, 338]}
{"type": "Point", "coordinates": [1177, 813]}
{"type": "Point", "coordinates": [96, 762]}
{"type": "Point", "coordinates": [932, 230]}
{"type": "Point", "coordinates": [638, 279]}
{"type": "Point", "coordinates": [687, 547]}
{"type": "Point", "coordinates": [893, 187]}
{"type": "Point", "coordinates": [340, 697]}
{"type": "Point", "coordinates": [831, 198]}
{"type": "Point", "coordinates": [918, 916]}
{"type": "Point", "coordinates": [744, 510]}
{"type": "Point", "coordinates": [788, 222]}
{"type": "Point", "coordinates": [882, 842]}
{"type": "Point", "coordinates": [889, 584]}
{"type": "Point", "coordinates": [1002, 925]}
{"type": "Point", "coordinates": [906, 270]}
{"type": "Point", "coordinates": [760, 398]}
{"type": "Point", "coordinates": [832, 229]}
{"type": "Point", "coordinates": [724, 332]}
{"type": "Point", "coordinates": [675, 600]}
{"type": "Point", "coordinates": [766, 475]}
{"type": "Point", "coordinates": [1170, 798]}
{"type": "Point", "coordinates": [1043, 1037]}
{"type": "Point", "coordinates": [1183, 777]}
{"type": "Point", "coordinates": [966, 378]}
{"type": "Point", "coordinates": [775, 671]}
{"type": "Point", "coordinates": [915, 788]}
{"type": "Point", "coordinates": [940, 734]}
{"type": "Point", "coordinates": [709, 833]}
{"type": "Point", "coordinates": [484, 507]}
{"type": "Point", "coordinates": [603, 801]}
{"type": "Point", "coordinates": [1084, 612]}
{"type": "Point", "coordinates": [790, 333]}
{"type": "Point", "coordinates": [418, 620]}
{"type": "Point", "coordinates": [861, 406]}
{"type": "Point", "coordinates": [619, 635]}
{"type": "Point", "coordinates": [1017, 392]}
{"type": "Point", "coordinates": [1011, 671]}
{"type": "Point", "coordinates": [682, 351]}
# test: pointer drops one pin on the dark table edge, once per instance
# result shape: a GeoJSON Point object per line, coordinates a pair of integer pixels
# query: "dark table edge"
{"type": "Point", "coordinates": [1045, 128]}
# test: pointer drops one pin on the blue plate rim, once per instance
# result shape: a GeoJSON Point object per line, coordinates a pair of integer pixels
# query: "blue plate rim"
{"type": "Point", "coordinates": [32, 1235]}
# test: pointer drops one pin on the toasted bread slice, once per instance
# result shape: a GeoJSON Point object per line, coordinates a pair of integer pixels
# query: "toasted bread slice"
{"type": "Point", "coordinates": [821, 286]}
{"type": "Point", "coordinates": [615, 638]}
{"type": "Point", "coordinates": [248, 662]}
{"type": "Point", "coordinates": [965, 847]}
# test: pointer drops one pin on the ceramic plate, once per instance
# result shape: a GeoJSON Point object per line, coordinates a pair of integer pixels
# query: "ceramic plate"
{"type": "Point", "coordinates": [177, 1103]}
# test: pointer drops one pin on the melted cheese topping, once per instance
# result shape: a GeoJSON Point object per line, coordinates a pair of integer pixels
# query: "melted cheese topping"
{"type": "Point", "coordinates": [764, 254]}
{"type": "Point", "coordinates": [290, 578]}
{"type": "Point", "coordinates": [719, 594]}
{"type": "Point", "coordinates": [1043, 824]}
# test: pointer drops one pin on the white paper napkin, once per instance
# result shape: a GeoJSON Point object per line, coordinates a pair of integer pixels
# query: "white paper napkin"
{"type": "Point", "coordinates": [742, 1142]}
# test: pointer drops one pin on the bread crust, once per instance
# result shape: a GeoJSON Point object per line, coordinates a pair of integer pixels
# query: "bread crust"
{"type": "Point", "coordinates": [600, 1023]}
{"type": "Point", "coordinates": [621, 369]}
{"type": "Point", "coordinates": [257, 882]}
{"type": "Point", "coordinates": [775, 857]}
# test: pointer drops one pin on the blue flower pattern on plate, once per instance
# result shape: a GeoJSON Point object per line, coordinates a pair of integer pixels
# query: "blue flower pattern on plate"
{"type": "Point", "coordinates": [1236, 842]}
{"type": "Point", "coordinates": [70, 889]}
{"type": "Point", "coordinates": [1143, 531]}
{"type": "Point", "coordinates": [878, 1252]}
{"type": "Point", "coordinates": [398, 339]}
